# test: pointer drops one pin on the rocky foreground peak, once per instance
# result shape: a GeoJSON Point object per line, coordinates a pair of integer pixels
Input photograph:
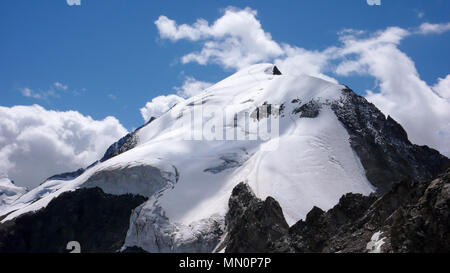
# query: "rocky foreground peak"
{"type": "Point", "coordinates": [411, 217]}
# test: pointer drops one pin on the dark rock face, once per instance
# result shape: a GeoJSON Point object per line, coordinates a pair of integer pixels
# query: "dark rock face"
{"type": "Point", "coordinates": [424, 226]}
{"type": "Point", "coordinates": [383, 146]}
{"type": "Point", "coordinates": [307, 110]}
{"type": "Point", "coordinates": [412, 216]}
{"type": "Point", "coordinates": [315, 233]}
{"type": "Point", "coordinates": [124, 144]}
{"type": "Point", "coordinates": [276, 71]}
{"type": "Point", "coordinates": [252, 225]}
{"type": "Point", "coordinates": [98, 221]}
{"type": "Point", "coordinates": [321, 231]}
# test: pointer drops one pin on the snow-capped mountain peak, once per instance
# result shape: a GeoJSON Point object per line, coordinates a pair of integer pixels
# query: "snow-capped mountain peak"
{"type": "Point", "coordinates": [294, 138]}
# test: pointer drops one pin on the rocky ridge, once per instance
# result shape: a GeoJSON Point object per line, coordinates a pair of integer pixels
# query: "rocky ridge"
{"type": "Point", "coordinates": [411, 217]}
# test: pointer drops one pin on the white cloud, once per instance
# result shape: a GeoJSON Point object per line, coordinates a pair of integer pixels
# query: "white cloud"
{"type": "Point", "coordinates": [301, 61]}
{"type": "Point", "coordinates": [351, 31]}
{"type": "Point", "coordinates": [402, 93]}
{"type": "Point", "coordinates": [355, 54]}
{"type": "Point", "coordinates": [427, 28]}
{"type": "Point", "coordinates": [60, 86]}
{"type": "Point", "coordinates": [112, 97]}
{"type": "Point", "coordinates": [36, 143]}
{"type": "Point", "coordinates": [443, 87]}
{"type": "Point", "coordinates": [168, 29]}
{"type": "Point", "coordinates": [159, 106]}
{"type": "Point", "coordinates": [73, 2]}
{"type": "Point", "coordinates": [27, 92]}
{"type": "Point", "coordinates": [162, 104]}
{"type": "Point", "coordinates": [44, 94]}
{"type": "Point", "coordinates": [235, 40]}
{"type": "Point", "coordinates": [191, 87]}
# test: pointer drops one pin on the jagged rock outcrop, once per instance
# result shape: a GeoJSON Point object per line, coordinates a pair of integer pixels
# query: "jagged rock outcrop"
{"type": "Point", "coordinates": [307, 110]}
{"type": "Point", "coordinates": [424, 226]}
{"type": "Point", "coordinates": [252, 225]}
{"type": "Point", "coordinates": [276, 71]}
{"type": "Point", "coordinates": [124, 144]}
{"type": "Point", "coordinates": [383, 146]}
{"type": "Point", "coordinates": [319, 227]}
{"type": "Point", "coordinates": [98, 221]}
{"type": "Point", "coordinates": [411, 217]}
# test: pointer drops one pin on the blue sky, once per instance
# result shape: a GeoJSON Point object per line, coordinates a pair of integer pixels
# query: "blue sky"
{"type": "Point", "coordinates": [75, 78]}
{"type": "Point", "coordinates": [111, 58]}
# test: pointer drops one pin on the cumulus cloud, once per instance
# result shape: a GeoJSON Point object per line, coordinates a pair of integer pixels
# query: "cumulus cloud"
{"type": "Point", "coordinates": [36, 143]}
{"type": "Point", "coordinates": [443, 87]}
{"type": "Point", "coordinates": [162, 104]}
{"type": "Point", "coordinates": [301, 61]}
{"type": "Point", "coordinates": [235, 40]}
{"type": "Point", "coordinates": [73, 2]}
{"type": "Point", "coordinates": [402, 93]}
{"type": "Point", "coordinates": [427, 28]}
{"type": "Point", "coordinates": [159, 106]}
{"type": "Point", "coordinates": [60, 86]}
{"type": "Point", "coordinates": [169, 29]}
{"type": "Point", "coordinates": [27, 92]}
{"type": "Point", "coordinates": [191, 87]}
{"type": "Point", "coordinates": [46, 94]}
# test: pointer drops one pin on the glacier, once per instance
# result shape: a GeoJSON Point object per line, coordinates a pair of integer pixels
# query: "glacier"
{"type": "Point", "coordinates": [188, 182]}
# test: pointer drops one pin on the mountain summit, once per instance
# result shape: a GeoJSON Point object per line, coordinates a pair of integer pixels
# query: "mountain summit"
{"type": "Point", "coordinates": [299, 140]}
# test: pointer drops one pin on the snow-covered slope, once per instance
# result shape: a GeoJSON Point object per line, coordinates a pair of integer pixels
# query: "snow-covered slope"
{"type": "Point", "coordinates": [188, 182]}
{"type": "Point", "coordinates": [9, 192]}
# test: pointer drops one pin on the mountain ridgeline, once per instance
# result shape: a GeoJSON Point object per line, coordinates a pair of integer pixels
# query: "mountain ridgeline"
{"type": "Point", "coordinates": [343, 177]}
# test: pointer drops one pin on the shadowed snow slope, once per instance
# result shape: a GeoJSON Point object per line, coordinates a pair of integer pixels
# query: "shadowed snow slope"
{"type": "Point", "coordinates": [188, 182]}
